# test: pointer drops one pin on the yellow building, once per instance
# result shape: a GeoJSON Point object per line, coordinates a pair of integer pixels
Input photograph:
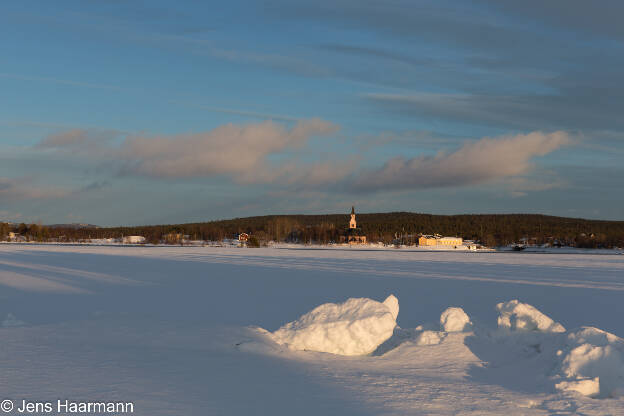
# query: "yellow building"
{"type": "Point", "coordinates": [450, 241]}
{"type": "Point", "coordinates": [427, 240]}
{"type": "Point", "coordinates": [436, 240]}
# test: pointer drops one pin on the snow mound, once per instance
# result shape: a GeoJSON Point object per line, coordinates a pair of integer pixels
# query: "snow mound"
{"type": "Point", "coordinates": [593, 355]}
{"type": "Point", "coordinates": [355, 327]}
{"type": "Point", "coordinates": [455, 320]}
{"type": "Point", "coordinates": [429, 338]}
{"type": "Point", "coordinates": [517, 316]}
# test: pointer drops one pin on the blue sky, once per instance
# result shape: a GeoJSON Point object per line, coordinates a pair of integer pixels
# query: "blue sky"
{"type": "Point", "coordinates": [129, 112]}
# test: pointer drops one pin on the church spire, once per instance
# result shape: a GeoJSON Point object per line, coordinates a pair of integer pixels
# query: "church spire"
{"type": "Point", "coordinates": [352, 210]}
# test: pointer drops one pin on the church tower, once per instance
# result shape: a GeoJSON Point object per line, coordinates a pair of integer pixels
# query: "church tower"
{"type": "Point", "coordinates": [353, 234]}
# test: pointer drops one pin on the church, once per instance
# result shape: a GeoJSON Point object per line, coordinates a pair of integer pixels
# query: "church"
{"type": "Point", "coordinates": [353, 234]}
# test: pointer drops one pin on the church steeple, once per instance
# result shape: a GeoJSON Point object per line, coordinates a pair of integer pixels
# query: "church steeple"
{"type": "Point", "coordinates": [353, 235]}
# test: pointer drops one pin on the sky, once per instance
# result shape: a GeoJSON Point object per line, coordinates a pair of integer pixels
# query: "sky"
{"type": "Point", "coordinates": [128, 112]}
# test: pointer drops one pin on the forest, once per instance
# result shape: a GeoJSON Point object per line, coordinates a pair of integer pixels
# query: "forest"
{"type": "Point", "coordinates": [390, 228]}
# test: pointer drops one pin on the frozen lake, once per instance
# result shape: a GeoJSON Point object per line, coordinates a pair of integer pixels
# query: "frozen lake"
{"type": "Point", "coordinates": [168, 328]}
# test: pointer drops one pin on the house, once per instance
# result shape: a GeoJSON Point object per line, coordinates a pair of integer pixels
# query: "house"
{"type": "Point", "coordinates": [437, 240]}
{"type": "Point", "coordinates": [470, 245]}
{"type": "Point", "coordinates": [16, 237]}
{"type": "Point", "coordinates": [243, 237]}
{"type": "Point", "coordinates": [133, 239]}
{"type": "Point", "coordinates": [353, 234]}
{"type": "Point", "coordinates": [173, 238]}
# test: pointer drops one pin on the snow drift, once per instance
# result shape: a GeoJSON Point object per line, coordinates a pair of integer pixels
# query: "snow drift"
{"type": "Point", "coordinates": [517, 316]}
{"type": "Point", "coordinates": [588, 360]}
{"type": "Point", "coordinates": [355, 327]}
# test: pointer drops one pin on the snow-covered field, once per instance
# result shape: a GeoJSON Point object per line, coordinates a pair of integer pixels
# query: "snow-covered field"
{"type": "Point", "coordinates": [196, 330]}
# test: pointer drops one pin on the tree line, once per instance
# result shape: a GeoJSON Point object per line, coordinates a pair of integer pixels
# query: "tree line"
{"type": "Point", "coordinates": [395, 227]}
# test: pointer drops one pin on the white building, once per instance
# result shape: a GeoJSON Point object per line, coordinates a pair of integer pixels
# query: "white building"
{"type": "Point", "coordinates": [133, 239]}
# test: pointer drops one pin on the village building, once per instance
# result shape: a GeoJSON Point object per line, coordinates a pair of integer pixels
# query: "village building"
{"type": "Point", "coordinates": [243, 237]}
{"type": "Point", "coordinates": [173, 238]}
{"type": "Point", "coordinates": [133, 239]}
{"type": "Point", "coordinates": [438, 240]}
{"type": "Point", "coordinates": [470, 245]}
{"type": "Point", "coordinates": [450, 241]}
{"type": "Point", "coordinates": [353, 234]}
{"type": "Point", "coordinates": [15, 237]}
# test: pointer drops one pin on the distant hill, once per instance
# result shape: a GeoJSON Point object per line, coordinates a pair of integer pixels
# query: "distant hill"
{"type": "Point", "coordinates": [72, 225]}
{"type": "Point", "coordinates": [490, 229]}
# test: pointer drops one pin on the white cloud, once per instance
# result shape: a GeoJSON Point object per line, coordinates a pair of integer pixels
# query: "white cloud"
{"type": "Point", "coordinates": [296, 174]}
{"type": "Point", "coordinates": [485, 160]}
{"type": "Point", "coordinates": [263, 152]}
{"type": "Point", "coordinates": [272, 153]}
{"type": "Point", "coordinates": [238, 151]}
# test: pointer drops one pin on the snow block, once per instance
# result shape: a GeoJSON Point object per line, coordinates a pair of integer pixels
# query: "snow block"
{"type": "Point", "coordinates": [595, 354]}
{"type": "Point", "coordinates": [455, 320]}
{"type": "Point", "coordinates": [355, 327]}
{"type": "Point", "coordinates": [393, 304]}
{"type": "Point", "coordinates": [587, 387]}
{"type": "Point", "coordinates": [429, 338]}
{"type": "Point", "coordinates": [517, 316]}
